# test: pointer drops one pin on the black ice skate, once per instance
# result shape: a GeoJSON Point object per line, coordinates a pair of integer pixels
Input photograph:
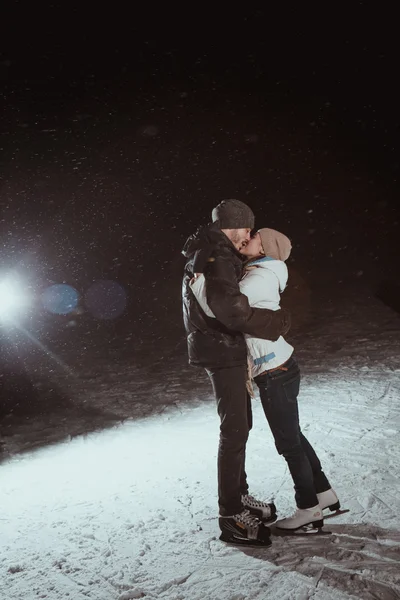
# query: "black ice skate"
{"type": "Point", "coordinates": [265, 511]}
{"type": "Point", "coordinates": [244, 529]}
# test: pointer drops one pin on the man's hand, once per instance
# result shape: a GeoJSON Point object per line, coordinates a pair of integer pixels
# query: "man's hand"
{"type": "Point", "coordinates": [286, 320]}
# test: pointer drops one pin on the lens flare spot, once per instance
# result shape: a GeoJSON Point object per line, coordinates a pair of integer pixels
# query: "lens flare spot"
{"type": "Point", "coordinates": [60, 299]}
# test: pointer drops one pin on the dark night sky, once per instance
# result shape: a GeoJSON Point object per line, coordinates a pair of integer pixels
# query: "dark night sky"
{"type": "Point", "coordinates": [119, 133]}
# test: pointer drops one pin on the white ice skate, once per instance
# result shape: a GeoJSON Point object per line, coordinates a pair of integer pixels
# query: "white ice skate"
{"type": "Point", "coordinates": [330, 500]}
{"type": "Point", "coordinates": [303, 518]}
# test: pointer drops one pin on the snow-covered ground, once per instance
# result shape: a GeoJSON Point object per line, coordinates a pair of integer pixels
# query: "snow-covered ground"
{"type": "Point", "coordinates": [130, 510]}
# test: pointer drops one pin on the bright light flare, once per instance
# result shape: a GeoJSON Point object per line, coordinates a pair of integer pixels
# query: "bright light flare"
{"type": "Point", "coordinates": [13, 300]}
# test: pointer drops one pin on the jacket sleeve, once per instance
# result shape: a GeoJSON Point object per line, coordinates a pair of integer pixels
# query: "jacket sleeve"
{"type": "Point", "coordinates": [232, 308]}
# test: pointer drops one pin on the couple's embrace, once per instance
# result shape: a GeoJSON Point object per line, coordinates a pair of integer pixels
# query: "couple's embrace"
{"type": "Point", "coordinates": [235, 327]}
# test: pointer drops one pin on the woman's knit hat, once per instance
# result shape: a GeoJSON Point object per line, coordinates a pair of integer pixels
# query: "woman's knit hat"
{"type": "Point", "coordinates": [275, 245]}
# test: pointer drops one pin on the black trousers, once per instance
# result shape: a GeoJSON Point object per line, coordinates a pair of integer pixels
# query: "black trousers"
{"type": "Point", "coordinates": [278, 394]}
{"type": "Point", "coordinates": [234, 409]}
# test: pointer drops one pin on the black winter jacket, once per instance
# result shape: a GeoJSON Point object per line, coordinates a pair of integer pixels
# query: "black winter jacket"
{"type": "Point", "coordinates": [214, 343]}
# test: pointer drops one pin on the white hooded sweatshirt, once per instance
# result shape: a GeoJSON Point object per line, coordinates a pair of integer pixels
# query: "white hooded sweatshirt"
{"type": "Point", "coordinates": [262, 283]}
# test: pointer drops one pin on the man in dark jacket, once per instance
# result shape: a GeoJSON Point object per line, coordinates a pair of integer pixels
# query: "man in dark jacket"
{"type": "Point", "coordinates": [219, 346]}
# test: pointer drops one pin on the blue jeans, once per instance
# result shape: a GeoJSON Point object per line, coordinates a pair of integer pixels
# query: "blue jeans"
{"type": "Point", "coordinates": [278, 392]}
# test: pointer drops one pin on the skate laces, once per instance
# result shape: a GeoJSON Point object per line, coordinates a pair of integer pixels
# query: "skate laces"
{"type": "Point", "coordinates": [251, 501]}
{"type": "Point", "coordinates": [247, 519]}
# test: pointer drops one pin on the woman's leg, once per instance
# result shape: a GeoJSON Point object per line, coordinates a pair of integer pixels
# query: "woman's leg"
{"type": "Point", "coordinates": [321, 483]}
{"type": "Point", "coordinates": [278, 393]}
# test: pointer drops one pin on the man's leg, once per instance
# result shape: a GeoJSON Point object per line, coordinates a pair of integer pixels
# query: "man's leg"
{"type": "Point", "coordinates": [244, 488]}
{"type": "Point", "coordinates": [278, 393]}
{"type": "Point", "coordinates": [234, 410]}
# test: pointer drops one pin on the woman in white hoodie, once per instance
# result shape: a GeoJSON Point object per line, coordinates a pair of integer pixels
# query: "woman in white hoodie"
{"type": "Point", "coordinates": [277, 376]}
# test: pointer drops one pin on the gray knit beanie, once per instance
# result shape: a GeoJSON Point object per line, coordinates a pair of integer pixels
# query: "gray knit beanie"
{"type": "Point", "coordinates": [233, 214]}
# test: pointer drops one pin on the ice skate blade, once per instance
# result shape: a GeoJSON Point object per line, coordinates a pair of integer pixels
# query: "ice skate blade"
{"type": "Point", "coordinates": [303, 530]}
{"type": "Point", "coordinates": [238, 541]}
{"type": "Point", "coordinates": [337, 513]}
